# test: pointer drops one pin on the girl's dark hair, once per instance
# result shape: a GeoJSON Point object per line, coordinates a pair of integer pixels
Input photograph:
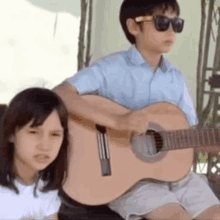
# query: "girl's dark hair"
{"type": "Point", "coordinates": [32, 104]}
{"type": "Point", "coordinates": [135, 8]}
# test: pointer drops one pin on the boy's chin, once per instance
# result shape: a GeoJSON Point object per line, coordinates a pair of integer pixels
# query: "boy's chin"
{"type": "Point", "coordinates": [166, 50]}
{"type": "Point", "coordinates": [162, 50]}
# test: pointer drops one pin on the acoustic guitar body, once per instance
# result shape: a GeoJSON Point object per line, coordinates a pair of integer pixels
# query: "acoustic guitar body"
{"type": "Point", "coordinates": [86, 183]}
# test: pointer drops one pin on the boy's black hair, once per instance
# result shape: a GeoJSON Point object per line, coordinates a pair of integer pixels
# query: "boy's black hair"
{"type": "Point", "coordinates": [135, 8]}
{"type": "Point", "coordinates": [32, 104]}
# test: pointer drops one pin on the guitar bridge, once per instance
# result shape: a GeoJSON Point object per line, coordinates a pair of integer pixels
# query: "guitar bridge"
{"type": "Point", "coordinates": [103, 147]}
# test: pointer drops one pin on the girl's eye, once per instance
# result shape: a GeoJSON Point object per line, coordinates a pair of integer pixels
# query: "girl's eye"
{"type": "Point", "coordinates": [56, 135]}
{"type": "Point", "coordinates": [32, 132]}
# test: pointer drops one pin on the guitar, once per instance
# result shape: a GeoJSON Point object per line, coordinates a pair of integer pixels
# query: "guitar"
{"type": "Point", "coordinates": [105, 163]}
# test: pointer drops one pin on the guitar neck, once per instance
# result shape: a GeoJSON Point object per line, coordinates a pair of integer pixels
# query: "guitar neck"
{"type": "Point", "coordinates": [189, 138]}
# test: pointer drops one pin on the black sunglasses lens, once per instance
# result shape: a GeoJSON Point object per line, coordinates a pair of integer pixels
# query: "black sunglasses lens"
{"type": "Point", "coordinates": [161, 23]}
{"type": "Point", "coordinates": [178, 25]}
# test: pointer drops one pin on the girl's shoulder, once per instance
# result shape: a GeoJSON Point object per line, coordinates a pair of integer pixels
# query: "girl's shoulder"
{"type": "Point", "coordinates": [16, 206]}
{"type": "Point", "coordinates": [27, 191]}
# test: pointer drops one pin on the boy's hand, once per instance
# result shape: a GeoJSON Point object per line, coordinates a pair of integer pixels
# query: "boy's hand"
{"type": "Point", "coordinates": [134, 121]}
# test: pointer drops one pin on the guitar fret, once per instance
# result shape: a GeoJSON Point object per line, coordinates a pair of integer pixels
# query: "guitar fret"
{"type": "Point", "coordinates": [188, 138]}
{"type": "Point", "coordinates": [183, 138]}
{"type": "Point", "coordinates": [168, 141]}
{"type": "Point", "coordinates": [187, 133]}
{"type": "Point", "coordinates": [180, 140]}
{"type": "Point", "coordinates": [171, 140]}
{"type": "Point", "coordinates": [163, 134]}
{"type": "Point", "coordinates": [176, 140]}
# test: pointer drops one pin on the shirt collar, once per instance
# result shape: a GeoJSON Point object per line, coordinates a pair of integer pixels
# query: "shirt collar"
{"type": "Point", "coordinates": [137, 59]}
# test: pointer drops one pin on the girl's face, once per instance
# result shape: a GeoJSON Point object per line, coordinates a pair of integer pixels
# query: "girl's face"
{"type": "Point", "coordinates": [37, 147]}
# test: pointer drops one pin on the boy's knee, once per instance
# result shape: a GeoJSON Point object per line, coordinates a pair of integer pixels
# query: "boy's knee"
{"type": "Point", "coordinates": [210, 213]}
{"type": "Point", "coordinates": [169, 211]}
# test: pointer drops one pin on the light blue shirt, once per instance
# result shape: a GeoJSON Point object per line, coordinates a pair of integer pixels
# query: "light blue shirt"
{"type": "Point", "coordinates": [126, 78]}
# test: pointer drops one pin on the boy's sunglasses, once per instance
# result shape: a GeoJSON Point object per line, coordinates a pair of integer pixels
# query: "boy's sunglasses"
{"type": "Point", "coordinates": [162, 23]}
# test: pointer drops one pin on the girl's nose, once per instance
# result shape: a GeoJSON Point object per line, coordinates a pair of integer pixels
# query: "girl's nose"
{"type": "Point", "coordinates": [44, 144]}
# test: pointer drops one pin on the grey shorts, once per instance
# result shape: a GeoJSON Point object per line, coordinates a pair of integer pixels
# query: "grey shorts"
{"type": "Point", "coordinates": [193, 193]}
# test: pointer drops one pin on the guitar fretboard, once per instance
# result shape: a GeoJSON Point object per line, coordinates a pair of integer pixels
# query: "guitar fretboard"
{"type": "Point", "coordinates": [189, 138]}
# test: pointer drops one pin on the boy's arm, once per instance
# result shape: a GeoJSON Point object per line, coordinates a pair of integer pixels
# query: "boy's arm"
{"type": "Point", "coordinates": [187, 106]}
{"type": "Point", "coordinates": [80, 107]}
{"type": "Point", "coordinates": [132, 121]}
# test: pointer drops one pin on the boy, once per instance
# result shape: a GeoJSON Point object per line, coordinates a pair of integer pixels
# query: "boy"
{"type": "Point", "coordinates": [135, 79]}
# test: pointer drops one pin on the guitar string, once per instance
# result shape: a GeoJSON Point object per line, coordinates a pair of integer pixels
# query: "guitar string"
{"type": "Point", "coordinates": [184, 135]}
{"type": "Point", "coordinates": [191, 140]}
{"type": "Point", "coordinates": [179, 144]}
{"type": "Point", "coordinates": [187, 132]}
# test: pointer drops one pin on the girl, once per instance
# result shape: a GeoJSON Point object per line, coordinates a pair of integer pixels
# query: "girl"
{"type": "Point", "coordinates": [33, 155]}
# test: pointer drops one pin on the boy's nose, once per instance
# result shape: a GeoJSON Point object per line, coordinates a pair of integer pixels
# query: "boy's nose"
{"type": "Point", "coordinates": [170, 27]}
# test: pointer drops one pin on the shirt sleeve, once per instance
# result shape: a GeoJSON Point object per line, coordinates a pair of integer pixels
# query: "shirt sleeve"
{"type": "Point", "coordinates": [54, 205]}
{"type": "Point", "coordinates": [89, 80]}
{"type": "Point", "coordinates": [187, 106]}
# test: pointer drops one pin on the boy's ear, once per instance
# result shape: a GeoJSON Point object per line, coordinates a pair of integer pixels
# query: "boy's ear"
{"type": "Point", "coordinates": [132, 26]}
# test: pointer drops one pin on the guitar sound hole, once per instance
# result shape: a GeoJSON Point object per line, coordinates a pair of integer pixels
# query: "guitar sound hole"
{"type": "Point", "coordinates": [147, 146]}
{"type": "Point", "coordinates": [157, 139]}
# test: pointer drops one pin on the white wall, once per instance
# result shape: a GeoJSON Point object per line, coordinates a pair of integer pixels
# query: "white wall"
{"type": "Point", "coordinates": [29, 54]}
{"type": "Point", "coordinates": [109, 37]}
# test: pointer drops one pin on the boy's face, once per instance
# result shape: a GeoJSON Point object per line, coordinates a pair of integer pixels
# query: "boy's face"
{"type": "Point", "coordinates": [152, 40]}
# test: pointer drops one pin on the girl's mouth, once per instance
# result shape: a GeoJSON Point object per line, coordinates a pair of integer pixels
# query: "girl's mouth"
{"type": "Point", "coordinates": [41, 158]}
